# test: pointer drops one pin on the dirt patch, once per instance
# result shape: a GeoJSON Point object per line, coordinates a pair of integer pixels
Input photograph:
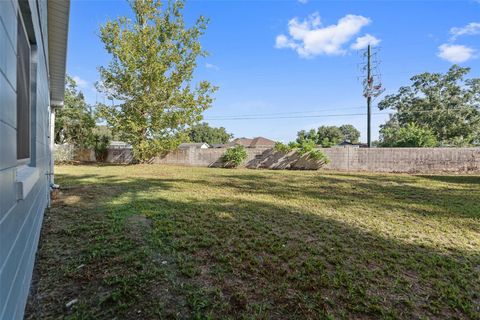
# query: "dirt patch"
{"type": "Point", "coordinates": [138, 226]}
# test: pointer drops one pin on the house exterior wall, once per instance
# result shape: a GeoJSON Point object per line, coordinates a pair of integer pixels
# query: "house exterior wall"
{"type": "Point", "coordinates": [20, 220]}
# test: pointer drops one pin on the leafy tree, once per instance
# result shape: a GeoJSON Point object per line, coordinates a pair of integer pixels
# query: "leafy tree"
{"type": "Point", "coordinates": [100, 146]}
{"type": "Point", "coordinates": [350, 133]}
{"type": "Point", "coordinates": [448, 104]}
{"type": "Point", "coordinates": [329, 136]}
{"type": "Point", "coordinates": [307, 136]}
{"type": "Point", "coordinates": [409, 136]}
{"type": "Point", "coordinates": [151, 73]}
{"type": "Point", "coordinates": [204, 133]}
{"type": "Point", "coordinates": [73, 122]}
{"type": "Point", "coordinates": [103, 130]}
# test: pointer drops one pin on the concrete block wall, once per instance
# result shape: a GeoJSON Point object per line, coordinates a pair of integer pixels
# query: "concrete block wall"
{"type": "Point", "coordinates": [67, 153]}
{"type": "Point", "coordinates": [405, 159]}
{"type": "Point", "coordinates": [202, 157]}
{"type": "Point", "coordinates": [410, 160]}
{"type": "Point", "coordinates": [428, 160]}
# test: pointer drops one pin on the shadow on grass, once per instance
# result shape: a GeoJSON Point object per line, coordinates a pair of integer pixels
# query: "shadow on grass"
{"type": "Point", "coordinates": [393, 192]}
{"type": "Point", "coordinates": [472, 180]}
{"type": "Point", "coordinates": [248, 258]}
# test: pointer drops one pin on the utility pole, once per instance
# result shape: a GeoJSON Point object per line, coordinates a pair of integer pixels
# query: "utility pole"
{"type": "Point", "coordinates": [369, 97]}
{"type": "Point", "coordinates": [371, 88]}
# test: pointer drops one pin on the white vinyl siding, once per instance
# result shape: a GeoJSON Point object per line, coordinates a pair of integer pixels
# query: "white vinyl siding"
{"type": "Point", "coordinates": [20, 220]}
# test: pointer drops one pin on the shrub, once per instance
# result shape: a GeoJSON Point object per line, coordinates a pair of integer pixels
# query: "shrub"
{"type": "Point", "coordinates": [101, 143]}
{"type": "Point", "coordinates": [305, 147]}
{"type": "Point", "coordinates": [64, 153]}
{"type": "Point", "coordinates": [282, 147]}
{"type": "Point", "coordinates": [310, 149]}
{"type": "Point", "coordinates": [235, 156]}
{"type": "Point", "coordinates": [318, 156]}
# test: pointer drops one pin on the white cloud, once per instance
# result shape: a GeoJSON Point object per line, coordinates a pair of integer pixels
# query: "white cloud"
{"type": "Point", "coordinates": [282, 41]}
{"type": "Point", "coordinates": [211, 66]}
{"type": "Point", "coordinates": [455, 53]}
{"type": "Point", "coordinates": [309, 38]}
{"type": "Point", "coordinates": [305, 1]}
{"type": "Point", "coordinates": [364, 41]}
{"type": "Point", "coordinates": [80, 82]}
{"type": "Point", "coordinates": [472, 28]}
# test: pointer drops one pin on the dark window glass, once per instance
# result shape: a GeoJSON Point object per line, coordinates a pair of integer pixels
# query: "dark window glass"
{"type": "Point", "coordinates": [23, 93]}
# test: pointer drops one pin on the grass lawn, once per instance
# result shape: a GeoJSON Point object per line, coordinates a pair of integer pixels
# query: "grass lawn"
{"type": "Point", "coordinates": [149, 241]}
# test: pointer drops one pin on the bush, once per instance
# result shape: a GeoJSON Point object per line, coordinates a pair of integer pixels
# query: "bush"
{"type": "Point", "coordinates": [282, 147]}
{"type": "Point", "coordinates": [64, 153]}
{"type": "Point", "coordinates": [318, 156]}
{"type": "Point", "coordinates": [310, 149]}
{"type": "Point", "coordinates": [100, 147]}
{"type": "Point", "coordinates": [305, 147]}
{"type": "Point", "coordinates": [235, 156]}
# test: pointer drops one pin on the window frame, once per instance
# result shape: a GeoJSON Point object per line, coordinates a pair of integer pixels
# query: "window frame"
{"type": "Point", "coordinates": [25, 161]}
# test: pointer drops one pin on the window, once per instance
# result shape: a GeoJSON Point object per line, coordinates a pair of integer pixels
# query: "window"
{"type": "Point", "coordinates": [23, 92]}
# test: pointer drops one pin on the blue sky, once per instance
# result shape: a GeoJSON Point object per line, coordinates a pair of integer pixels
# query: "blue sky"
{"type": "Point", "coordinates": [297, 61]}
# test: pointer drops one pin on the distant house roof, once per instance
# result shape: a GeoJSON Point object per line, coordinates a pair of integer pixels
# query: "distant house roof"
{"type": "Point", "coordinates": [119, 145]}
{"type": "Point", "coordinates": [347, 143]}
{"type": "Point", "coordinates": [218, 145]}
{"type": "Point", "coordinates": [258, 142]}
{"type": "Point", "coordinates": [200, 145]}
{"type": "Point", "coordinates": [261, 142]}
{"type": "Point", "coordinates": [241, 142]}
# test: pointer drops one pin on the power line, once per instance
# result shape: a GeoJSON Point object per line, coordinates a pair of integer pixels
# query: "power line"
{"type": "Point", "coordinates": [390, 112]}
{"type": "Point", "coordinates": [294, 117]}
{"type": "Point", "coordinates": [292, 112]}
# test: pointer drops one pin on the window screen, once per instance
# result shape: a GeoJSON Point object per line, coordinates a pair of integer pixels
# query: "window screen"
{"type": "Point", "coordinates": [23, 93]}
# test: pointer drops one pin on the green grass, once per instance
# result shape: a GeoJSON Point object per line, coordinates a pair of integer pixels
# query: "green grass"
{"type": "Point", "coordinates": [147, 241]}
